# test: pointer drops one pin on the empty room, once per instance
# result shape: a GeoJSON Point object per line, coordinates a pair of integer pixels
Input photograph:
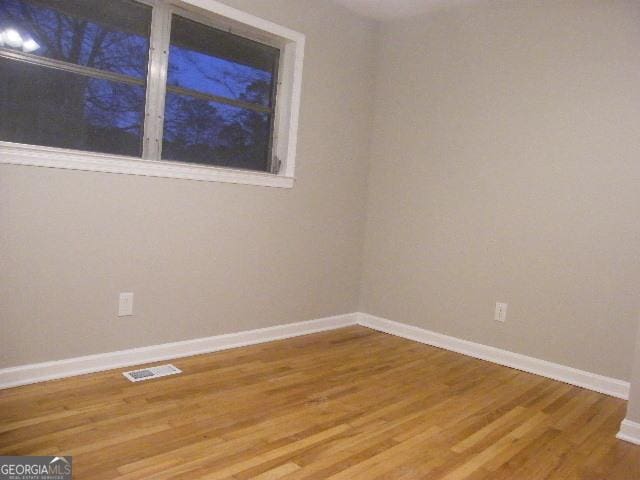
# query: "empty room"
{"type": "Point", "coordinates": [320, 239]}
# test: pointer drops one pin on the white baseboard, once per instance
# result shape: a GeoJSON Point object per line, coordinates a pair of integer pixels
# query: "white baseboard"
{"type": "Point", "coordinates": [40, 372]}
{"type": "Point", "coordinates": [629, 432]}
{"type": "Point", "coordinates": [608, 386]}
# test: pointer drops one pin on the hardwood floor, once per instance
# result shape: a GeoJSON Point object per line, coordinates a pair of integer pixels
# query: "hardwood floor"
{"type": "Point", "coordinates": [347, 404]}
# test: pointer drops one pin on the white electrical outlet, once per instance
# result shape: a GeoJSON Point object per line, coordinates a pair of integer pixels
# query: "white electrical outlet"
{"type": "Point", "coordinates": [125, 304]}
{"type": "Point", "coordinates": [501, 312]}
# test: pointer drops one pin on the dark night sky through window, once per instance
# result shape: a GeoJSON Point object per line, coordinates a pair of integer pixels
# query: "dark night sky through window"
{"type": "Point", "coordinates": [205, 129]}
{"type": "Point", "coordinates": [217, 76]}
{"type": "Point", "coordinates": [52, 107]}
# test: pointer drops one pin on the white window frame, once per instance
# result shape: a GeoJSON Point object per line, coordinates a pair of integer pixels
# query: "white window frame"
{"type": "Point", "coordinates": [219, 15]}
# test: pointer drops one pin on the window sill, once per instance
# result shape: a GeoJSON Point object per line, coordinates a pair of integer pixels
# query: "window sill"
{"type": "Point", "coordinates": [16, 154]}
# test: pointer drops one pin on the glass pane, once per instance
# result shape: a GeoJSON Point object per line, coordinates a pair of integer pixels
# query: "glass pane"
{"type": "Point", "coordinates": [212, 133]}
{"type": "Point", "coordinates": [211, 61]}
{"type": "Point", "coordinates": [43, 106]}
{"type": "Point", "coordinates": [108, 35]}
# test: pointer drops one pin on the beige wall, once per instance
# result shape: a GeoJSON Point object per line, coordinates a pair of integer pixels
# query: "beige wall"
{"type": "Point", "coordinates": [504, 155]}
{"type": "Point", "coordinates": [506, 167]}
{"type": "Point", "coordinates": [201, 258]}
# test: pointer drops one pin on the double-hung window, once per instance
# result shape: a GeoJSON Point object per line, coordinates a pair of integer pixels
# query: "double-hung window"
{"type": "Point", "coordinates": [190, 89]}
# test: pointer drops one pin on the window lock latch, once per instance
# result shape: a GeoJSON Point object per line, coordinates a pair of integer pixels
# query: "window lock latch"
{"type": "Point", "coordinates": [276, 165]}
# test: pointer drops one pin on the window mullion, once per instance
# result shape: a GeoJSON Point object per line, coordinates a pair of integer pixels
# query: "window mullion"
{"type": "Point", "coordinates": [157, 80]}
{"type": "Point", "coordinates": [69, 67]}
{"type": "Point", "coordinates": [209, 97]}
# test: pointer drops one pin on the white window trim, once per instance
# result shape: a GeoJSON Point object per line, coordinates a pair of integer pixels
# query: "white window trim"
{"type": "Point", "coordinates": [291, 44]}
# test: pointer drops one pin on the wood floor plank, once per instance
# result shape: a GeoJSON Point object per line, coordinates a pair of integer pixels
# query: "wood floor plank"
{"type": "Point", "coordinates": [347, 404]}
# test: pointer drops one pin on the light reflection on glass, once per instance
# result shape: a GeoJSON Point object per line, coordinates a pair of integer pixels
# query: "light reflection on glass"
{"type": "Point", "coordinates": [12, 38]}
